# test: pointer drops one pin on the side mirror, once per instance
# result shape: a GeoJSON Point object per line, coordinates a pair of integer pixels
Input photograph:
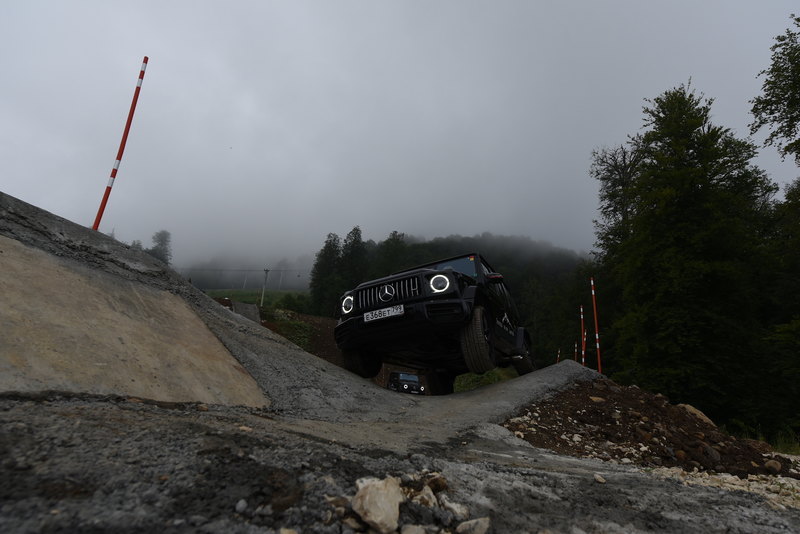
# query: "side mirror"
{"type": "Point", "coordinates": [494, 278]}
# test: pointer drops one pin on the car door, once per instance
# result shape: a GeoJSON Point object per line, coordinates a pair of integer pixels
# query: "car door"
{"type": "Point", "coordinates": [503, 318]}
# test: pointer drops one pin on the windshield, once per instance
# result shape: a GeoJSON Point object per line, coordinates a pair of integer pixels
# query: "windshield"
{"type": "Point", "coordinates": [409, 378]}
{"type": "Point", "coordinates": [466, 265]}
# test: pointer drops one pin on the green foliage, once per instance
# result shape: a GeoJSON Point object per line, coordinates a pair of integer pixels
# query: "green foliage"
{"type": "Point", "coordinates": [290, 327]}
{"type": "Point", "coordinates": [276, 304]}
{"type": "Point", "coordinates": [353, 262]}
{"type": "Point", "coordinates": [294, 301]}
{"type": "Point", "coordinates": [778, 106]}
{"type": "Point", "coordinates": [470, 381]}
{"type": "Point", "coordinates": [701, 264]}
{"type": "Point", "coordinates": [787, 442]}
{"type": "Point", "coordinates": [297, 301]}
{"type": "Point", "coordinates": [327, 282]}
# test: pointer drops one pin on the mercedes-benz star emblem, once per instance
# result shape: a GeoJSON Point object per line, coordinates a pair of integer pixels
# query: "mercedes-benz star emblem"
{"type": "Point", "coordinates": [386, 293]}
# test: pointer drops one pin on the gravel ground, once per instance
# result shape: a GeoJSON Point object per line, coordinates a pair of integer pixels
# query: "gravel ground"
{"type": "Point", "coordinates": [82, 463]}
{"type": "Point", "coordinates": [98, 464]}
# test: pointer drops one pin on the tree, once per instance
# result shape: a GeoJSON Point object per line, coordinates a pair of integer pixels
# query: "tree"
{"type": "Point", "coordinates": [616, 169]}
{"type": "Point", "coordinates": [391, 255]}
{"type": "Point", "coordinates": [162, 247]}
{"type": "Point", "coordinates": [688, 261]}
{"type": "Point", "coordinates": [326, 284]}
{"type": "Point", "coordinates": [354, 263]}
{"type": "Point", "coordinates": [779, 104]}
{"type": "Point", "coordinates": [782, 342]}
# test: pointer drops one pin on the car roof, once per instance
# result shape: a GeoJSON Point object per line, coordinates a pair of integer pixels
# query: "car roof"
{"type": "Point", "coordinates": [424, 265]}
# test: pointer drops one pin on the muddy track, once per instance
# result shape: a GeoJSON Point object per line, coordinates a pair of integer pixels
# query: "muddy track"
{"type": "Point", "coordinates": [97, 463]}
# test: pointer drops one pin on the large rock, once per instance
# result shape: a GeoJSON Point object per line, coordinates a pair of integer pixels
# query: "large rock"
{"type": "Point", "coordinates": [377, 502]}
{"type": "Point", "coordinates": [697, 413]}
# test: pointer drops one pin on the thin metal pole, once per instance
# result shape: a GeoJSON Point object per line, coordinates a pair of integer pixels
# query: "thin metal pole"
{"type": "Point", "coordinates": [264, 288]}
{"type": "Point", "coordinates": [103, 202]}
{"type": "Point", "coordinates": [596, 329]}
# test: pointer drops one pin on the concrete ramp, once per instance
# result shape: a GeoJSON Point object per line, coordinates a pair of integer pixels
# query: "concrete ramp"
{"type": "Point", "coordinates": [82, 312]}
{"type": "Point", "coordinates": [66, 326]}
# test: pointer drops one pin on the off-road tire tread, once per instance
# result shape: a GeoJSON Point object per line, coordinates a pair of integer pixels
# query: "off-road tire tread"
{"type": "Point", "coordinates": [476, 349]}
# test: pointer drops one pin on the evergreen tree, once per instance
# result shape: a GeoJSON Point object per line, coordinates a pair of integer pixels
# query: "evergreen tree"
{"type": "Point", "coordinates": [326, 284]}
{"type": "Point", "coordinates": [391, 255]}
{"type": "Point", "coordinates": [782, 342]}
{"type": "Point", "coordinates": [354, 263]}
{"type": "Point", "coordinates": [688, 264]}
{"type": "Point", "coordinates": [162, 246]}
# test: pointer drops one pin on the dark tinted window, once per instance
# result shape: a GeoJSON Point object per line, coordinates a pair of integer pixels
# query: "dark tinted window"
{"type": "Point", "coordinates": [466, 265]}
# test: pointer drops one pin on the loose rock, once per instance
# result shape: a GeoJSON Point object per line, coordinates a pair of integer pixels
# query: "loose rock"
{"type": "Point", "coordinates": [377, 502]}
{"type": "Point", "coordinates": [475, 526]}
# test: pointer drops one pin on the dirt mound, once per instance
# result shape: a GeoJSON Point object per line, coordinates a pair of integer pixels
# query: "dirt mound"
{"type": "Point", "coordinates": [626, 424]}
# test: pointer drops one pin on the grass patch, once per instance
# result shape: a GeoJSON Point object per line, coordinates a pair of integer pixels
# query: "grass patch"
{"type": "Point", "coordinates": [787, 442]}
{"type": "Point", "coordinates": [272, 311]}
{"type": "Point", "coordinates": [281, 322]}
{"type": "Point", "coordinates": [470, 381]}
{"type": "Point", "coordinates": [290, 300]}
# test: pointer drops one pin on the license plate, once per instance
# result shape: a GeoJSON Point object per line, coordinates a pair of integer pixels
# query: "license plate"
{"type": "Point", "coordinates": [383, 313]}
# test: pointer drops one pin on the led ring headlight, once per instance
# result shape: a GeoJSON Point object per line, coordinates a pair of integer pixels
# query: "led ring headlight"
{"type": "Point", "coordinates": [347, 304]}
{"type": "Point", "coordinates": [439, 283]}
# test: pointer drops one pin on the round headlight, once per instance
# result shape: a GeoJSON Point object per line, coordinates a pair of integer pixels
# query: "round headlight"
{"type": "Point", "coordinates": [347, 304]}
{"type": "Point", "coordinates": [439, 283]}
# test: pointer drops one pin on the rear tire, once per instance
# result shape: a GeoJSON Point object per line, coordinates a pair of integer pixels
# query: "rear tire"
{"type": "Point", "coordinates": [362, 364]}
{"type": "Point", "coordinates": [476, 342]}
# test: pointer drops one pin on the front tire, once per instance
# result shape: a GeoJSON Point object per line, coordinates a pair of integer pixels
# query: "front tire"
{"type": "Point", "coordinates": [476, 342]}
{"type": "Point", "coordinates": [361, 363]}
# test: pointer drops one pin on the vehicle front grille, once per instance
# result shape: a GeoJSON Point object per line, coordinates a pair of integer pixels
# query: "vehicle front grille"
{"type": "Point", "coordinates": [400, 290]}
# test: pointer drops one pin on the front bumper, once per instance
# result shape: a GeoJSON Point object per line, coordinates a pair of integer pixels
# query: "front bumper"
{"type": "Point", "coordinates": [419, 320]}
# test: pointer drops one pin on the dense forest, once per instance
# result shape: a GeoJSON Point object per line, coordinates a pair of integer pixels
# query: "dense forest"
{"type": "Point", "coordinates": [697, 260]}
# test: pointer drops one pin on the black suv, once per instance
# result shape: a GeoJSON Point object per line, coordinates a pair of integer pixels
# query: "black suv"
{"type": "Point", "coordinates": [451, 316]}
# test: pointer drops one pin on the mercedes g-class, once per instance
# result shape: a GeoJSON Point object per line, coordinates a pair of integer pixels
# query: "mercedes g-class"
{"type": "Point", "coordinates": [454, 316]}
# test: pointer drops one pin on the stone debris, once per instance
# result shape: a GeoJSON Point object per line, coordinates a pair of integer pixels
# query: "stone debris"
{"type": "Point", "coordinates": [377, 507]}
{"type": "Point", "coordinates": [780, 492]}
{"type": "Point", "coordinates": [628, 425]}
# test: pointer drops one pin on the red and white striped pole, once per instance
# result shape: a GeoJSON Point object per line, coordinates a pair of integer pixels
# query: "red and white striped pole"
{"type": "Point", "coordinates": [558, 358]}
{"type": "Point", "coordinates": [103, 202]}
{"type": "Point", "coordinates": [583, 351]}
{"type": "Point", "coordinates": [596, 329]}
{"type": "Point", "coordinates": [583, 339]}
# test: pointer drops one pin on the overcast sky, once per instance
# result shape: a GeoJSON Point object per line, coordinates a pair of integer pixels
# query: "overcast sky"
{"type": "Point", "coordinates": [264, 125]}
